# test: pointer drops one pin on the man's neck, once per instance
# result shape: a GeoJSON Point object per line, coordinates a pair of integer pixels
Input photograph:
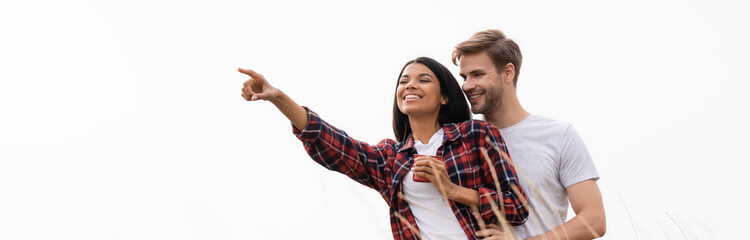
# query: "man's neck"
{"type": "Point", "coordinates": [508, 114]}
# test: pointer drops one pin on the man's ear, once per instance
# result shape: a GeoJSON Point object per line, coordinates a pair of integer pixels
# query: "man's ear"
{"type": "Point", "coordinates": [509, 73]}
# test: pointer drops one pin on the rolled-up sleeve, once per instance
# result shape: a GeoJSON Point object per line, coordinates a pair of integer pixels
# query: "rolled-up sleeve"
{"type": "Point", "coordinates": [335, 150]}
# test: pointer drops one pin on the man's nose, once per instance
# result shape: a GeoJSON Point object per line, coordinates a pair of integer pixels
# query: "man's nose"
{"type": "Point", "coordinates": [467, 85]}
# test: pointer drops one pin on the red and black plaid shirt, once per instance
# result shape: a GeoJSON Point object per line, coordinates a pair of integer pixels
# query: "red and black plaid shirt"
{"type": "Point", "coordinates": [382, 166]}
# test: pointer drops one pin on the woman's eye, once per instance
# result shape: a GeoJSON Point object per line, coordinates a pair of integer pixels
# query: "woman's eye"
{"type": "Point", "coordinates": [402, 82]}
{"type": "Point", "coordinates": [424, 80]}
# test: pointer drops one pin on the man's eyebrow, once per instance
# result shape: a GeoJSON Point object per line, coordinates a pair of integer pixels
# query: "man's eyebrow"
{"type": "Point", "coordinates": [475, 71]}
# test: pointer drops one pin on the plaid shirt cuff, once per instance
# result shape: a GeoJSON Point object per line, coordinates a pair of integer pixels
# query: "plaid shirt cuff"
{"type": "Point", "coordinates": [311, 132]}
{"type": "Point", "coordinates": [485, 208]}
{"type": "Point", "coordinates": [515, 213]}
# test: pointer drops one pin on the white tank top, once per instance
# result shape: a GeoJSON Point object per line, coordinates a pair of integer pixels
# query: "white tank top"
{"type": "Point", "coordinates": [435, 218]}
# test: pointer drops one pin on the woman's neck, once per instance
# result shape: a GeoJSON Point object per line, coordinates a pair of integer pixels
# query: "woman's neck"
{"type": "Point", "coordinates": [422, 129]}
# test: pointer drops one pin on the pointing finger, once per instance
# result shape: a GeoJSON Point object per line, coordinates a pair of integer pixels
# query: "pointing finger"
{"type": "Point", "coordinates": [250, 73]}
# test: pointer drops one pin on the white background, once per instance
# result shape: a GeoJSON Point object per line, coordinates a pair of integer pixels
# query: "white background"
{"type": "Point", "coordinates": [123, 120]}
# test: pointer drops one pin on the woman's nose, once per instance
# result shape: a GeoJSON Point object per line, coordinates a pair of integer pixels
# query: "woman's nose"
{"type": "Point", "coordinates": [411, 85]}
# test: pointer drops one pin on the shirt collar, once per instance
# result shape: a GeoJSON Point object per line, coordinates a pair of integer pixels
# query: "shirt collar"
{"type": "Point", "coordinates": [452, 132]}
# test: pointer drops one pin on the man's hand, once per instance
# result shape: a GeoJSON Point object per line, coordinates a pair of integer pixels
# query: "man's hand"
{"type": "Point", "coordinates": [257, 88]}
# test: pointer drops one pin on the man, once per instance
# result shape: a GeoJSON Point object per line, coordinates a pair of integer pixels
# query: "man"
{"type": "Point", "coordinates": [552, 162]}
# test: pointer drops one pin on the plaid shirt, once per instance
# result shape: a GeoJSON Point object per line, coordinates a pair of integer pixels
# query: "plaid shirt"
{"type": "Point", "coordinates": [382, 166]}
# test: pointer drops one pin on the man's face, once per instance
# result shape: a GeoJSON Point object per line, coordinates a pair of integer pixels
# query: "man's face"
{"type": "Point", "coordinates": [482, 85]}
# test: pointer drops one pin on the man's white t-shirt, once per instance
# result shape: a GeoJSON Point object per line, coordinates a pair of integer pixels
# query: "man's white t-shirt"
{"type": "Point", "coordinates": [550, 155]}
{"type": "Point", "coordinates": [435, 218]}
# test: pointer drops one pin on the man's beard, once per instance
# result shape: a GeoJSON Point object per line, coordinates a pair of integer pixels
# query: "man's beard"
{"type": "Point", "coordinates": [493, 97]}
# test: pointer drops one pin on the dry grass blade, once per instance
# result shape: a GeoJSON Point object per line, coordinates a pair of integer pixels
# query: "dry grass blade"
{"type": "Point", "coordinates": [678, 225]}
{"type": "Point", "coordinates": [549, 206]}
{"type": "Point", "coordinates": [529, 209]}
{"type": "Point", "coordinates": [533, 188]}
{"type": "Point", "coordinates": [475, 211]}
{"type": "Point", "coordinates": [403, 220]}
{"type": "Point", "coordinates": [520, 196]}
{"type": "Point", "coordinates": [493, 171]}
{"type": "Point", "coordinates": [492, 168]}
{"type": "Point", "coordinates": [502, 153]}
{"type": "Point", "coordinates": [402, 196]}
{"type": "Point", "coordinates": [588, 226]}
{"type": "Point", "coordinates": [478, 216]}
{"type": "Point", "coordinates": [528, 206]}
{"type": "Point", "coordinates": [440, 183]}
{"type": "Point", "coordinates": [500, 215]}
{"type": "Point", "coordinates": [705, 228]}
{"type": "Point", "coordinates": [539, 225]}
{"type": "Point", "coordinates": [629, 217]}
{"type": "Point", "coordinates": [664, 231]}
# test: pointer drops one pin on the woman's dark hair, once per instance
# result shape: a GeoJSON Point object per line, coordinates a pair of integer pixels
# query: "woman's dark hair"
{"type": "Point", "coordinates": [456, 111]}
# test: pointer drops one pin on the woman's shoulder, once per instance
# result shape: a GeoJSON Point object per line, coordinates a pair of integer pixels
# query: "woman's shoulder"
{"type": "Point", "coordinates": [474, 124]}
{"type": "Point", "coordinates": [388, 143]}
{"type": "Point", "coordinates": [472, 127]}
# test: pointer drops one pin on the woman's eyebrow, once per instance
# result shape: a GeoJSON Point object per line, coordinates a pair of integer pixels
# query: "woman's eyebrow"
{"type": "Point", "coordinates": [425, 74]}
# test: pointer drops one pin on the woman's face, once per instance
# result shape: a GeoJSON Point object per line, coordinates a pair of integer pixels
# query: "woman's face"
{"type": "Point", "coordinates": [418, 92]}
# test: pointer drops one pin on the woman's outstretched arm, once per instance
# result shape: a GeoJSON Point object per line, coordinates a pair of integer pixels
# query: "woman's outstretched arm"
{"type": "Point", "coordinates": [327, 145]}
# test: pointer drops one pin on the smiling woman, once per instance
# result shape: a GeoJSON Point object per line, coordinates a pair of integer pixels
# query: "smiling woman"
{"type": "Point", "coordinates": [471, 179]}
{"type": "Point", "coordinates": [428, 72]}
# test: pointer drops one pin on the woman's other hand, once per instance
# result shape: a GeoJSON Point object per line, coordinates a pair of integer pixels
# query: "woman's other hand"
{"type": "Point", "coordinates": [434, 170]}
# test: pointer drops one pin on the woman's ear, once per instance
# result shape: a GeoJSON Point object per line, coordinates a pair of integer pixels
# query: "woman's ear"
{"type": "Point", "coordinates": [444, 100]}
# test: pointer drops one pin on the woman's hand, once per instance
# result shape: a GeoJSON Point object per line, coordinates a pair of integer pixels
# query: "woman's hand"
{"type": "Point", "coordinates": [494, 232]}
{"type": "Point", "coordinates": [434, 170]}
{"type": "Point", "coordinates": [257, 88]}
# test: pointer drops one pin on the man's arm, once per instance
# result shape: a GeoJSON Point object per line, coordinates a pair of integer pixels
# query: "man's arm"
{"type": "Point", "coordinates": [589, 222]}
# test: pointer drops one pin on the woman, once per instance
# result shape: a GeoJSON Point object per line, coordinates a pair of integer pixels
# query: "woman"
{"type": "Point", "coordinates": [430, 117]}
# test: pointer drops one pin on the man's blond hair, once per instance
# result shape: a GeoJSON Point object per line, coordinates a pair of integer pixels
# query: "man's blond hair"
{"type": "Point", "coordinates": [500, 49]}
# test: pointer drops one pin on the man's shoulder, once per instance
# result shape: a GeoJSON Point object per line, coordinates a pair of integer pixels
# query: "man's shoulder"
{"type": "Point", "coordinates": [536, 122]}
